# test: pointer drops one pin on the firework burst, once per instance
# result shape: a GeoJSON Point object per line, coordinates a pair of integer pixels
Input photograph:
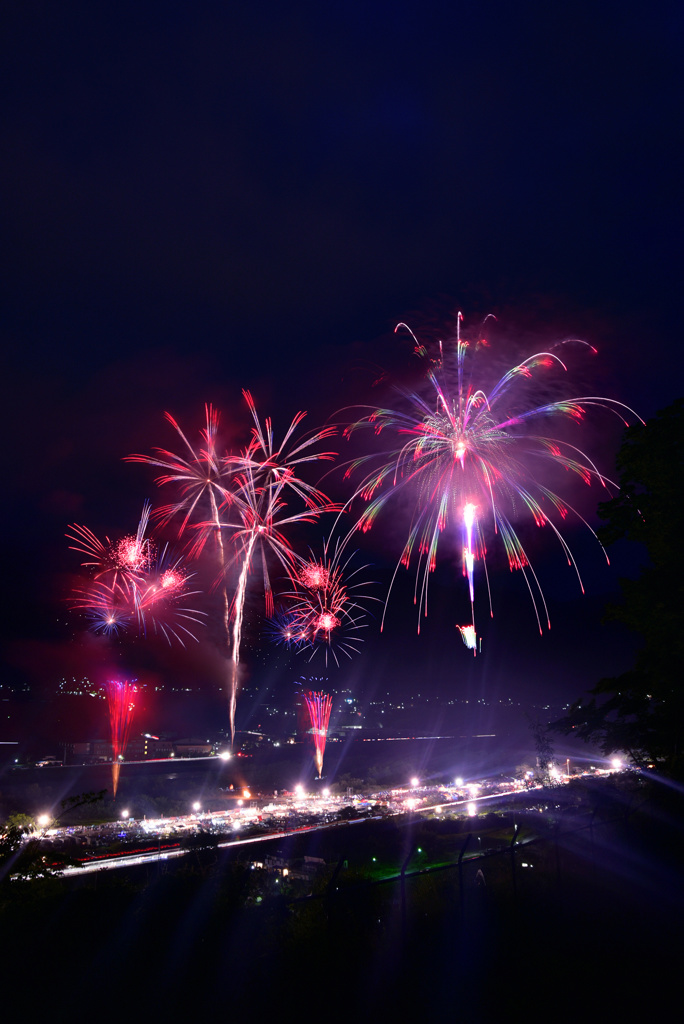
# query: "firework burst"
{"type": "Point", "coordinates": [265, 481]}
{"type": "Point", "coordinates": [328, 612]}
{"type": "Point", "coordinates": [133, 582]}
{"type": "Point", "coordinates": [472, 458]}
{"type": "Point", "coordinates": [124, 559]}
{"type": "Point", "coordinates": [160, 597]}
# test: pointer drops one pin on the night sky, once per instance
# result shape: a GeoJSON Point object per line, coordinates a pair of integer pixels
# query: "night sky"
{"type": "Point", "coordinates": [201, 199]}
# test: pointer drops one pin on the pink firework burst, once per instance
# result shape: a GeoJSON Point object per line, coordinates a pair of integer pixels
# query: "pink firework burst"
{"type": "Point", "coordinates": [126, 558]}
{"type": "Point", "coordinates": [329, 618]}
{"type": "Point", "coordinates": [133, 582]}
{"type": "Point", "coordinates": [471, 460]}
{"type": "Point", "coordinates": [313, 575]}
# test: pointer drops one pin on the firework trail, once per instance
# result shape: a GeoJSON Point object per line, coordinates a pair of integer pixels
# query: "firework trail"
{"type": "Point", "coordinates": [120, 699]}
{"type": "Point", "coordinates": [473, 458]}
{"type": "Point", "coordinates": [266, 477]}
{"type": "Point", "coordinates": [319, 706]}
{"type": "Point", "coordinates": [327, 609]}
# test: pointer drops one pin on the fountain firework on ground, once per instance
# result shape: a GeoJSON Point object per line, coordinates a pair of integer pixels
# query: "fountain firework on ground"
{"type": "Point", "coordinates": [121, 707]}
{"type": "Point", "coordinates": [469, 458]}
{"type": "Point", "coordinates": [319, 706]}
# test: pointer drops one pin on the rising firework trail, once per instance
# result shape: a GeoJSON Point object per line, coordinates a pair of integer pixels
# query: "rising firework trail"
{"type": "Point", "coordinates": [470, 459]}
{"type": "Point", "coordinates": [121, 703]}
{"type": "Point", "coordinates": [319, 706]}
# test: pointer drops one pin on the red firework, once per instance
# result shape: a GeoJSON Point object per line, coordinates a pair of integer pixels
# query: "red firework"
{"type": "Point", "coordinates": [319, 706]}
{"type": "Point", "coordinates": [120, 698]}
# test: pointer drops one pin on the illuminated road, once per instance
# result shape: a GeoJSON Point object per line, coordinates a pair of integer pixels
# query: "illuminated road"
{"type": "Point", "coordinates": [125, 860]}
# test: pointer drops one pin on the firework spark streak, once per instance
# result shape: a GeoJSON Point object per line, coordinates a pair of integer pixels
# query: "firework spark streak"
{"type": "Point", "coordinates": [469, 637]}
{"type": "Point", "coordinates": [319, 706]}
{"type": "Point", "coordinates": [120, 699]}
{"type": "Point", "coordinates": [472, 459]}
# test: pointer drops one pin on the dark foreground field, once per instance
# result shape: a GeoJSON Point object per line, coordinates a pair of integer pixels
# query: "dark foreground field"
{"type": "Point", "coordinates": [588, 930]}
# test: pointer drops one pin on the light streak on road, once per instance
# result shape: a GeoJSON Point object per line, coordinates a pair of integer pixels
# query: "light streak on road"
{"type": "Point", "coordinates": [133, 859]}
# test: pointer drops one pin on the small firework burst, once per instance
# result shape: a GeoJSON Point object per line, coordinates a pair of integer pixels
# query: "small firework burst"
{"type": "Point", "coordinates": [314, 575]}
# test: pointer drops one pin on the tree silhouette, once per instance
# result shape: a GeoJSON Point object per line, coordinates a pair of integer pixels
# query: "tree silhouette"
{"type": "Point", "coordinates": [641, 711]}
